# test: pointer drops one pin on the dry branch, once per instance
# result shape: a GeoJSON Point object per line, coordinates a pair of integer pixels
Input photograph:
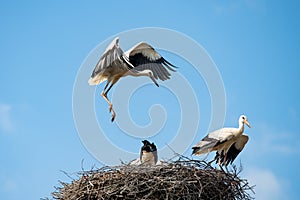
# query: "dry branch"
{"type": "Point", "coordinates": [182, 179]}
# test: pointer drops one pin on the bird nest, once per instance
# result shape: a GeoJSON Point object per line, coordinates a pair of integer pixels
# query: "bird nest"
{"type": "Point", "coordinates": [181, 179]}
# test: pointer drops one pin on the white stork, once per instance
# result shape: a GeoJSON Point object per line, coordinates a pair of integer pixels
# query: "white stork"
{"type": "Point", "coordinates": [148, 155]}
{"type": "Point", "coordinates": [140, 60]}
{"type": "Point", "coordinates": [221, 140]}
{"type": "Point", "coordinates": [233, 151]}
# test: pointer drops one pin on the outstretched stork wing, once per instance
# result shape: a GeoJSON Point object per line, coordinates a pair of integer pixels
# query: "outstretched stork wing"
{"type": "Point", "coordinates": [112, 53]}
{"type": "Point", "coordinates": [143, 56]}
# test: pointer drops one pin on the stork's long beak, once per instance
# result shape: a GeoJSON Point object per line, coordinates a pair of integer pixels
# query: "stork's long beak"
{"type": "Point", "coordinates": [247, 123]}
{"type": "Point", "coordinates": [153, 79]}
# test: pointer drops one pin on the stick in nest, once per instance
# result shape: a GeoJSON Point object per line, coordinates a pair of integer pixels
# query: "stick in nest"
{"type": "Point", "coordinates": [181, 179]}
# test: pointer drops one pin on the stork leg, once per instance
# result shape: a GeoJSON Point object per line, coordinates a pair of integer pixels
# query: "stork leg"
{"type": "Point", "coordinates": [113, 114]}
{"type": "Point", "coordinates": [224, 162]}
{"type": "Point", "coordinates": [226, 169]}
{"type": "Point", "coordinates": [220, 165]}
{"type": "Point", "coordinates": [220, 159]}
{"type": "Point", "coordinates": [104, 95]}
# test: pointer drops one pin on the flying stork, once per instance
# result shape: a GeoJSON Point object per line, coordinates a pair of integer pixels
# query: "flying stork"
{"type": "Point", "coordinates": [140, 60]}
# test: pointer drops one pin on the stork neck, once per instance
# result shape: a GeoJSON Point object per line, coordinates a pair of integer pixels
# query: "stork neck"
{"type": "Point", "coordinates": [241, 127]}
{"type": "Point", "coordinates": [136, 73]}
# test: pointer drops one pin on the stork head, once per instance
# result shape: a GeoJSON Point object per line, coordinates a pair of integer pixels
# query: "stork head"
{"type": "Point", "coordinates": [243, 119]}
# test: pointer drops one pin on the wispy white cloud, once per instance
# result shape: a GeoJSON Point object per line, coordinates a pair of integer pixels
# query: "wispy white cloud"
{"type": "Point", "coordinates": [268, 140]}
{"type": "Point", "coordinates": [6, 124]}
{"type": "Point", "coordinates": [267, 185]}
{"type": "Point", "coordinates": [9, 186]}
{"type": "Point", "coordinates": [293, 114]}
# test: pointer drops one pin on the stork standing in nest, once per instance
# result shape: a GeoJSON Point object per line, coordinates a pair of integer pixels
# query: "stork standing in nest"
{"type": "Point", "coordinates": [221, 141]}
{"type": "Point", "coordinates": [140, 60]}
{"type": "Point", "coordinates": [148, 155]}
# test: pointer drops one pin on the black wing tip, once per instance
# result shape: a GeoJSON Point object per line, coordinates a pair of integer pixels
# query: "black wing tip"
{"type": "Point", "coordinates": [195, 149]}
{"type": "Point", "coordinates": [170, 65]}
{"type": "Point", "coordinates": [231, 156]}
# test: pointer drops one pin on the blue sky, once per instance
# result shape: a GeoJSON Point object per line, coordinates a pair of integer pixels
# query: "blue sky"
{"type": "Point", "coordinates": [254, 44]}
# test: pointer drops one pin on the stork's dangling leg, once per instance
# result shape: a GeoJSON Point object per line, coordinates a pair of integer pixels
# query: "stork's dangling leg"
{"type": "Point", "coordinates": [113, 114]}
{"type": "Point", "coordinates": [104, 95]}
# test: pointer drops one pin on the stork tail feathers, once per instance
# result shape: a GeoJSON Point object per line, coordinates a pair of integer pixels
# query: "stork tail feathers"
{"type": "Point", "coordinates": [96, 80]}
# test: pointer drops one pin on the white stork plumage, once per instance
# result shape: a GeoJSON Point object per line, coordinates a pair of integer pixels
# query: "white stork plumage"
{"type": "Point", "coordinates": [221, 140]}
{"type": "Point", "coordinates": [233, 151]}
{"type": "Point", "coordinates": [148, 154]}
{"type": "Point", "coordinates": [140, 60]}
